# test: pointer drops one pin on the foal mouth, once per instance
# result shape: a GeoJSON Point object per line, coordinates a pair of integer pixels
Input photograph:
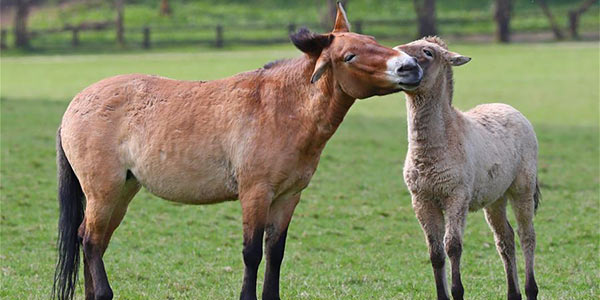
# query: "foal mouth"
{"type": "Point", "coordinates": [410, 85]}
{"type": "Point", "coordinates": [411, 80]}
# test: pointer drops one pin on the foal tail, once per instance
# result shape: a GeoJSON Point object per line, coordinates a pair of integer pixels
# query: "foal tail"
{"type": "Point", "coordinates": [70, 199]}
{"type": "Point", "coordinates": [537, 196]}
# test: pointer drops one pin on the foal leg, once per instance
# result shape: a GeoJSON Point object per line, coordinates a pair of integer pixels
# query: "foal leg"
{"type": "Point", "coordinates": [523, 207]}
{"type": "Point", "coordinates": [495, 215]}
{"type": "Point", "coordinates": [255, 207]}
{"type": "Point", "coordinates": [431, 218]}
{"type": "Point", "coordinates": [456, 215]}
{"type": "Point", "coordinates": [280, 215]}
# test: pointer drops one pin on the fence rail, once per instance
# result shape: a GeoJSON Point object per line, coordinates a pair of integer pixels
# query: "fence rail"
{"type": "Point", "coordinates": [221, 35]}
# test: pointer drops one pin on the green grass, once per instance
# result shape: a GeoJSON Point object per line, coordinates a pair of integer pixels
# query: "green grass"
{"type": "Point", "coordinates": [354, 234]}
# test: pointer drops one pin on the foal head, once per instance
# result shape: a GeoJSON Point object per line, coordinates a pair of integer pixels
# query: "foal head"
{"type": "Point", "coordinates": [436, 61]}
{"type": "Point", "coordinates": [357, 63]}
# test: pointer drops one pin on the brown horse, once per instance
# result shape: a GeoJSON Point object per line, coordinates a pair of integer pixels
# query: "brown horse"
{"type": "Point", "coordinates": [256, 136]}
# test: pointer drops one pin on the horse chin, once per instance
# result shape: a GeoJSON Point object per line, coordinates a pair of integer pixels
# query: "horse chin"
{"type": "Point", "coordinates": [384, 92]}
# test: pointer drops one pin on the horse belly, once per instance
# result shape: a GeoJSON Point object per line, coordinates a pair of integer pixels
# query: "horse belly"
{"type": "Point", "coordinates": [179, 180]}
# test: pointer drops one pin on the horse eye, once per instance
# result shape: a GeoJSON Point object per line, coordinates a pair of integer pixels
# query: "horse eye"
{"type": "Point", "coordinates": [427, 52]}
{"type": "Point", "coordinates": [349, 57]}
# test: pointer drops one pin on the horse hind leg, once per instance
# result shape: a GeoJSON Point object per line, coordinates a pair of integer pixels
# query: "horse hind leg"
{"type": "Point", "coordinates": [107, 203]}
{"type": "Point", "coordinates": [495, 215]}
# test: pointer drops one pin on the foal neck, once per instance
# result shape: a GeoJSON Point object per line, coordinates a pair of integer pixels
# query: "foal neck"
{"type": "Point", "coordinates": [431, 116]}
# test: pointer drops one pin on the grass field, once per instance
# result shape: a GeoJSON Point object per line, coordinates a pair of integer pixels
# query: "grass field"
{"type": "Point", "coordinates": [354, 234]}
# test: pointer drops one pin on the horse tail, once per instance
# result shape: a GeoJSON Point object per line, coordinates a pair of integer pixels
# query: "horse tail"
{"type": "Point", "coordinates": [71, 202]}
{"type": "Point", "coordinates": [537, 196]}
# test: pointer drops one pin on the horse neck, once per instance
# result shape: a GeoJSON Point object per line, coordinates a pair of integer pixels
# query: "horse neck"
{"type": "Point", "coordinates": [431, 116]}
{"type": "Point", "coordinates": [322, 105]}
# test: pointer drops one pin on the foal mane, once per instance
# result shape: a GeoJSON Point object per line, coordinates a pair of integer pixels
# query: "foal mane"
{"type": "Point", "coordinates": [436, 40]}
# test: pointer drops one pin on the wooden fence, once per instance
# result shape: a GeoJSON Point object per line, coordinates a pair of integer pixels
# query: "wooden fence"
{"type": "Point", "coordinates": [222, 35]}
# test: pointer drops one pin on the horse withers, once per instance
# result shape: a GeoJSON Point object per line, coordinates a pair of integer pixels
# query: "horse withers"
{"type": "Point", "coordinates": [256, 136]}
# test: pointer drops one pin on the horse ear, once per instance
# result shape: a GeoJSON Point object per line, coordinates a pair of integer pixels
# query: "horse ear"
{"type": "Point", "coordinates": [341, 21]}
{"type": "Point", "coordinates": [322, 64]}
{"type": "Point", "coordinates": [456, 59]}
{"type": "Point", "coordinates": [311, 43]}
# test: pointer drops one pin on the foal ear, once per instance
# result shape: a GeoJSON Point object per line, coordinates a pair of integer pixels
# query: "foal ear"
{"type": "Point", "coordinates": [341, 20]}
{"type": "Point", "coordinates": [456, 59]}
{"type": "Point", "coordinates": [322, 64]}
{"type": "Point", "coordinates": [309, 42]}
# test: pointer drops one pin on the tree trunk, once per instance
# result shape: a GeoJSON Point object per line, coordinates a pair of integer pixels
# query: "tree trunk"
{"type": "Point", "coordinates": [328, 19]}
{"type": "Point", "coordinates": [425, 10]}
{"type": "Point", "coordinates": [21, 34]}
{"type": "Point", "coordinates": [119, 22]}
{"type": "Point", "coordinates": [502, 14]}
{"type": "Point", "coordinates": [165, 8]}
{"type": "Point", "coordinates": [555, 28]}
{"type": "Point", "coordinates": [574, 17]}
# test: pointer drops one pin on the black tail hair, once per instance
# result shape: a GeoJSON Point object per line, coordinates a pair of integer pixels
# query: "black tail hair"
{"type": "Point", "coordinates": [537, 196]}
{"type": "Point", "coordinates": [71, 202]}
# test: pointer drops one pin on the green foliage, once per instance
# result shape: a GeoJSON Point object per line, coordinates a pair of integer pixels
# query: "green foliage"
{"type": "Point", "coordinates": [354, 234]}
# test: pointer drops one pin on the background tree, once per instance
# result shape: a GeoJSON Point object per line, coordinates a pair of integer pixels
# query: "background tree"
{"type": "Point", "coordinates": [165, 8]}
{"type": "Point", "coordinates": [502, 14]}
{"type": "Point", "coordinates": [553, 25]}
{"type": "Point", "coordinates": [119, 22]}
{"type": "Point", "coordinates": [425, 10]}
{"type": "Point", "coordinates": [21, 15]}
{"type": "Point", "coordinates": [575, 14]}
{"type": "Point", "coordinates": [328, 18]}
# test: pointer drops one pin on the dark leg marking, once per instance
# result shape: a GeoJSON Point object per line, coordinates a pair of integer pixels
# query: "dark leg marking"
{"type": "Point", "coordinates": [275, 252]}
{"type": "Point", "coordinates": [93, 254]}
{"type": "Point", "coordinates": [437, 262]}
{"type": "Point", "coordinates": [252, 256]}
{"type": "Point", "coordinates": [531, 288]}
{"type": "Point", "coordinates": [454, 251]}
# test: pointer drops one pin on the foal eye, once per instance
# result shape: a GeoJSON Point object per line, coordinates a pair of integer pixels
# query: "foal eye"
{"type": "Point", "coordinates": [349, 57]}
{"type": "Point", "coordinates": [427, 52]}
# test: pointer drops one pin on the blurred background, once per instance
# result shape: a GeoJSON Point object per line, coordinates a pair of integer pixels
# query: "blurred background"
{"type": "Point", "coordinates": [97, 25]}
{"type": "Point", "coordinates": [354, 234]}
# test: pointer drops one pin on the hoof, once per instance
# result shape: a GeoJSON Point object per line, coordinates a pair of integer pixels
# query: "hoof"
{"type": "Point", "coordinates": [515, 297]}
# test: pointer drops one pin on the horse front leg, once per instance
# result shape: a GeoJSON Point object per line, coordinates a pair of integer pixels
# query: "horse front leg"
{"type": "Point", "coordinates": [431, 218]}
{"type": "Point", "coordinates": [280, 215]}
{"type": "Point", "coordinates": [255, 207]}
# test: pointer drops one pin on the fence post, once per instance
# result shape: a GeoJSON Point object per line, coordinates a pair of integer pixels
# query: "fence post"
{"type": "Point", "coordinates": [3, 39]}
{"type": "Point", "coordinates": [146, 40]}
{"type": "Point", "coordinates": [75, 36]}
{"type": "Point", "coordinates": [291, 28]}
{"type": "Point", "coordinates": [219, 36]}
{"type": "Point", "coordinates": [358, 27]}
